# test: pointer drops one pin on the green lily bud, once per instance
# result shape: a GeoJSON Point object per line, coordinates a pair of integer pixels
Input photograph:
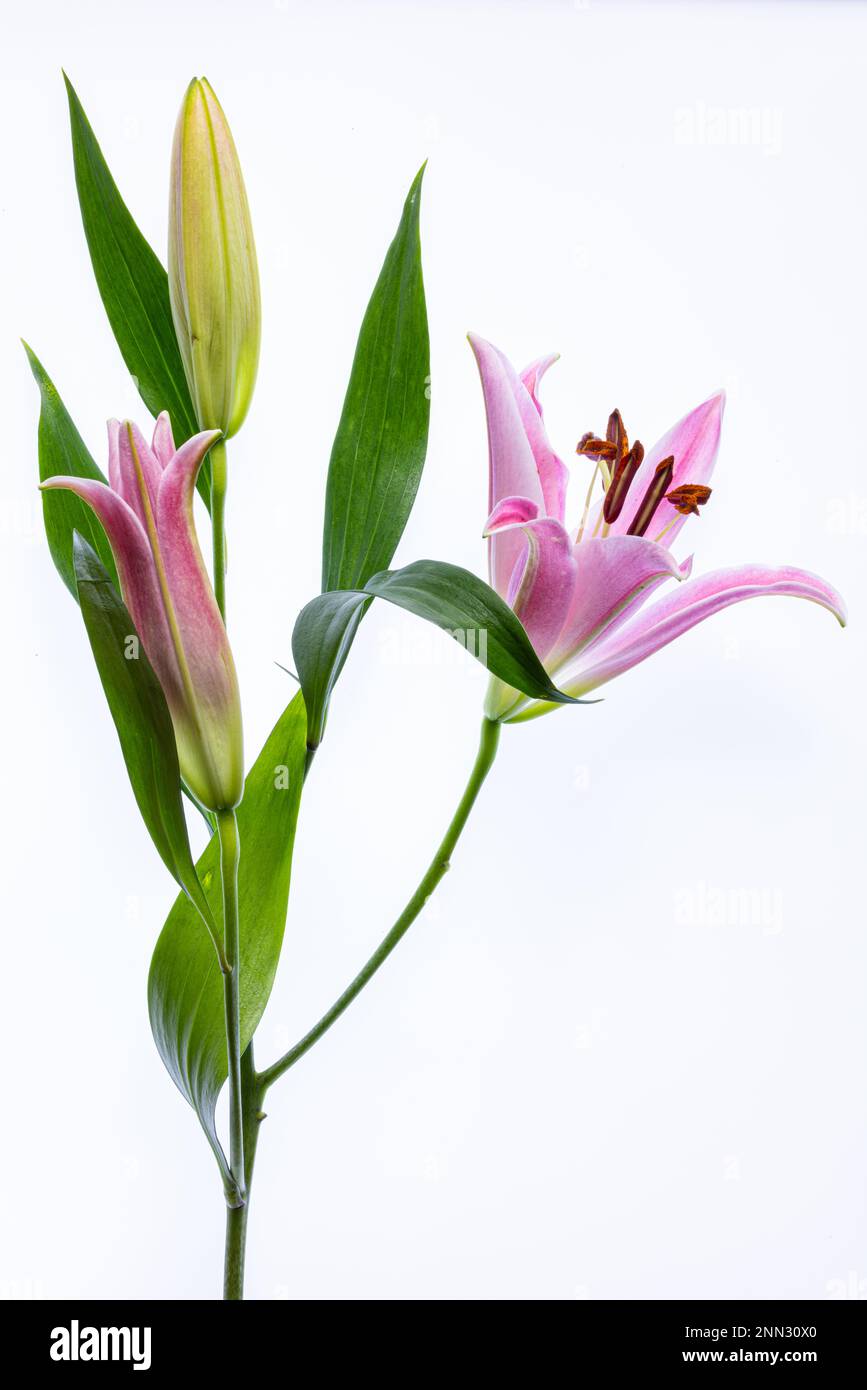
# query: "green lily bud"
{"type": "Point", "coordinates": [213, 274]}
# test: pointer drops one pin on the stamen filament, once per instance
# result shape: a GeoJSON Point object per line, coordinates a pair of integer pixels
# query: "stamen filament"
{"type": "Point", "coordinates": [586, 511]}
{"type": "Point", "coordinates": [665, 530]}
{"type": "Point", "coordinates": [601, 468]}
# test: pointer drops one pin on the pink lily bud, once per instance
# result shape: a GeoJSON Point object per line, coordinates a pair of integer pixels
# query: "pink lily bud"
{"type": "Point", "coordinates": [146, 511]}
{"type": "Point", "coordinates": [213, 272]}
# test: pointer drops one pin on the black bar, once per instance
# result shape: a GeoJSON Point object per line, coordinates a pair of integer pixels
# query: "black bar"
{"type": "Point", "coordinates": [646, 1337]}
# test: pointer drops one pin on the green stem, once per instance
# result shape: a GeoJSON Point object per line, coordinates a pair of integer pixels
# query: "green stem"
{"type": "Point", "coordinates": [219, 481]}
{"type": "Point", "coordinates": [437, 870]}
{"type": "Point", "coordinates": [253, 1093]}
{"type": "Point", "coordinates": [245, 1094]}
{"type": "Point", "coordinates": [230, 853]}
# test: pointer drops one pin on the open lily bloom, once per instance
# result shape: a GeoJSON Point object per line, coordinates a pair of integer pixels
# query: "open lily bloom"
{"type": "Point", "coordinates": [581, 594]}
{"type": "Point", "coordinates": [146, 511]}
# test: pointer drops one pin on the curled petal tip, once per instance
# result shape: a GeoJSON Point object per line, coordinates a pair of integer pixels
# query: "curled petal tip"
{"type": "Point", "coordinates": [58, 482]}
{"type": "Point", "coordinates": [510, 512]}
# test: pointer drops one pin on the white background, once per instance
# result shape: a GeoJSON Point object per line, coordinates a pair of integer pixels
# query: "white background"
{"type": "Point", "coordinates": [623, 1052]}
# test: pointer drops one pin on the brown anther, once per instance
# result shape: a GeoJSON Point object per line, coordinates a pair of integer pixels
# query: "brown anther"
{"type": "Point", "coordinates": [616, 434]}
{"type": "Point", "coordinates": [621, 482]}
{"type": "Point", "coordinates": [687, 498]}
{"type": "Point", "coordinates": [595, 448]}
{"type": "Point", "coordinates": [652, 497]}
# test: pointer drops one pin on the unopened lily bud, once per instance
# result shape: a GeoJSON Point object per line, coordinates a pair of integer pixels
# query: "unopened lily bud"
{"type": "Point", "coordinates": [146, 511]}
{"type": "Point", "coordinates": [213, 274]}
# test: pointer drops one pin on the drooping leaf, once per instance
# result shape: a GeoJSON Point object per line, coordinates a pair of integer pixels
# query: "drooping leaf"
{"type": "Point", "coordinates": [472, 612]}
{"type": "Point", "coordinates": [453, 598]}
{"type": "Point", "coordinates": [381, 441]}
{"type": "Point", "coordinates": [185, 991]}
{"type": "Point", "coordinates": [133, 285]}
{"type": "Point", "coordinates": [323, 634]}
{"type": "Point", "coordinates": [141, 717]}
{"type": "Point", "coordinates": [62, 451]}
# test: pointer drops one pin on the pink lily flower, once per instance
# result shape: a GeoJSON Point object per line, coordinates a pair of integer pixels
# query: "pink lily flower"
{"type": "Point", "coordinates": [146, 511]}
{"type": "Point", "coordinates": [581, 594]}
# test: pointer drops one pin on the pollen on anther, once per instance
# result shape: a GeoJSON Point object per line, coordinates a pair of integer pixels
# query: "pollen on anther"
{"type": "Point", "coordinates": [594, 448]}
{"type": "Point", "coordinates": [687, 498]}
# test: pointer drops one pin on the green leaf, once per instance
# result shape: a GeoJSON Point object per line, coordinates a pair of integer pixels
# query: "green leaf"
{"type": "Point", "coordinates": [141, 717]}
{"type": "Point", "coordinates": [62, 451]}
{"type": "Point", "coordinates": [381, 441]}
{"type": "Point", "coordinates": [133, 285]}
{"type": "Point", "coordinates": [185, 991]}
{"type": "Point", "coordinates": [453, 598]}
{"type": "Point", "coordinates": [323, 634]}
{"type": "Point", "coordinates": [472, 612]}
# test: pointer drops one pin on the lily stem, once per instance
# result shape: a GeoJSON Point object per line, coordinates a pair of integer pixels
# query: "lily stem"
{"type": "Point", "coordinates": [245, 1093]}
{"type": "Point", "coordinates": [254, 1085]}
{"type": "Point", "coordinates": [230, 853]}
{"type": "Point", "coordinates": [253, 1093]}
{"type": "Point", "coordinates": [438, 868]}
{"type": "Point", "coordinates": [219, 481]}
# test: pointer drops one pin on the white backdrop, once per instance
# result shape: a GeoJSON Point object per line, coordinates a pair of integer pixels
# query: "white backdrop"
{"type": "Point", "coordinates": [623, 1052]}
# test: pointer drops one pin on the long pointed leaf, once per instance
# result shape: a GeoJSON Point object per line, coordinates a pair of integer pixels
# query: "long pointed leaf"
{"type": "Point", "coordinates": [381, 441]}
{"type": "Point", "coordinates": [62, 451]}
{"type": "Point", "coordinates": [133, 285]}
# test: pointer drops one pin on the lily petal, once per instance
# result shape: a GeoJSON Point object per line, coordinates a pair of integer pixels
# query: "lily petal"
{"type": "Point", "coordinates": [552, 471]}
{"type": "Point", "coordinates": [696, 600]}
{"type": "Point", "coordinates": [510, 511]}
{"type": "Point", "coordinates": [139, 472]}
{"type": "Point", "coordinates": [694, 443]}
{"type": "Point", "coordinates": [114, 455]}
{"type": "Point", "coordinates": [214, 699]}
{"type": "Point", "coordinates": [614, 577]}
{"type": "Point", "coordinates": [137, 573]}
{"type": "Point", "coordinates": [532, 375]}
{"type": "Point", "coordinates": [163, 444]}
{"type": "Point", "coordinates": [205, 642]}
{"type": "Point", "coordinates": [512, 465]}
{"type": "Point", "coordinates": [542, 589]}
